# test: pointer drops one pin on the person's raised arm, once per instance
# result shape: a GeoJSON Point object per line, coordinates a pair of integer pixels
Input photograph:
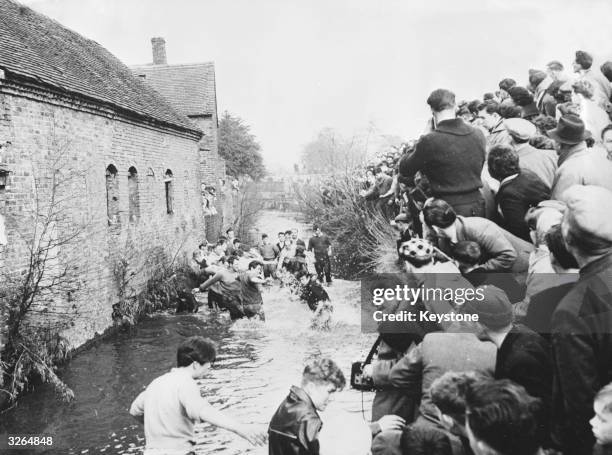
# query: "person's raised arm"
{"type": "Point", "coordinates": [212, 280]}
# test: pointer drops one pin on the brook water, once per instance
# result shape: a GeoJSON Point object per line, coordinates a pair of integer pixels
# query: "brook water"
{"type": "Point", "coordinates": [257, 364]}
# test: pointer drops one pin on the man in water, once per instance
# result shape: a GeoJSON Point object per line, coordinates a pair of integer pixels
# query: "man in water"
{"type": "Point", "coordinates": [269, 255]}
{"type": "Point", "coordinates": [172, 403]}
{"type": "Point", "coordinates": [222, 286]}
{"type": "Point", "coordinates": [321, 246]}
{"type": "Point", "coordinates": [251, 302]}
{"type": "Point", "coordinates": [296, 239]}
{"type": "Point", "coordinates": [280, 244]}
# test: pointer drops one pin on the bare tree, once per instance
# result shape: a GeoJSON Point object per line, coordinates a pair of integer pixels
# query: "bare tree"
{"type": "Point", "coordinates": [38, 299]}
{"type": "Point", "coordinates": [247, 206]}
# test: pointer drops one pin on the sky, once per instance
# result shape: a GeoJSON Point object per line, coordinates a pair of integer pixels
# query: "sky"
{"type": "Point", "coordinates": [290, 68]}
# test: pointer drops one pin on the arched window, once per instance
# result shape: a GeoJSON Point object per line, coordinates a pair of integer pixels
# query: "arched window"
{"type": "Point", "coordinates": [133, 197]}
{"type": "Point", "coordinates": [112, 196]}
{"type": "Point", "coordinates": [169, 191]}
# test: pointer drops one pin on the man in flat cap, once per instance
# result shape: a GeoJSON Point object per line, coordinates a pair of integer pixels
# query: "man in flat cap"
{"type": "Point", "coordinates": [578, 165]}
{"type": "Point", "coordinates": [582, 323]}
{"type": "Point", "coordinates": [542, 163]}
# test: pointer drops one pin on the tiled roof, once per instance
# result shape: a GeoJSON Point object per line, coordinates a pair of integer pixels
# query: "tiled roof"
{"type": "Point", "coordinates": [189, 88]}
{"type": "Point", "coordinates": [37, 47]}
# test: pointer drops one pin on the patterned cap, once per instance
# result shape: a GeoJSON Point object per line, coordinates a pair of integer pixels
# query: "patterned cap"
{"type": "Point", "coordinates": [417, 249]}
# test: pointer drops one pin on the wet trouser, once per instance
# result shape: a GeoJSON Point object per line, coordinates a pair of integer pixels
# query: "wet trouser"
{"type": "Point", "coordinates": [269, 268]}
{"type": "Point", "coordinates": [323, 267]}
{"type": "Point", "coordinates": [466, 204]}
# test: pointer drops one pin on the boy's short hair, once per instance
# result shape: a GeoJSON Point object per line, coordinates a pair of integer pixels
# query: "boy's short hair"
{"type": "Point", "coordinates": [288, 232]}
{"type": "Point", "coordinates": [509, 111]}
{"type": "Point", "coordinates": [557, 247]}
{"type": "Point", "coordinates": [264, 236]}
{"type": "Point", "coordinates": [441, 99]}
{"type": "Point", "coordinates": [322, 371]}
{"type": "Point", "coordinates": [425, 440]}
{"type": "Point", "coordinates": [229, 229]}
{"type": "Point", "coordinates": [221, 241]}
{"type": "Point", "coordinates": [203, 244]}
{"type": "Point", "coordinates": [555, 65]}
{"type": "Point", "coordinates": [254, 264]}
{"type": "Point", "coordinates": [502, 414]}
{"type": "Point", "coordinates": [438, 212]}
{"type": "Point", "coordinates": [195, 349]}
{"type": "Point", "coordinates": [236, 240]}
{"type": "Point", "coordinates": [584, 59]}
{"type": "Point", "coordinates": [506, 84]}
{"type": "Point", "coordinates": [503, 162]}
{"type": "Point", "coordinates": [520, 95]}
{"type": "Point", "coordinates": [605, 395]}
{"type": "Point", "coordinates": [281, 233]}
{"type": "Point", "coordinates": [448, 393]}
{"type": "Point", "coordinates": [467, 252]}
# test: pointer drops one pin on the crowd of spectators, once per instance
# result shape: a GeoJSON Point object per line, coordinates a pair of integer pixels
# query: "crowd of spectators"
{"type": "Point", "coordinates": [514, 192]}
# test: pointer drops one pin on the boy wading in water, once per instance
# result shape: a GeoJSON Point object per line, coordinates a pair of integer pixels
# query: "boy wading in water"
{"type": "Point", "coordinates": [171, 404]}
{"type": "Point", "coordinates": [294, 428]}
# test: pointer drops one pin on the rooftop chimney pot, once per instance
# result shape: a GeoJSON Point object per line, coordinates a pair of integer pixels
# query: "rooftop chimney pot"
{"type": "Point", "coordinates": [159, 51]}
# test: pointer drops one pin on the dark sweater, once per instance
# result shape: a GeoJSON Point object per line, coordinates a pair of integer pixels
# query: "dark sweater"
{"type": "Point", "coordinates": [451, 157]}
{"type": "Point", "coordinates": [526, 358]}
{"type": "Point", "coordinates": [515, 197]}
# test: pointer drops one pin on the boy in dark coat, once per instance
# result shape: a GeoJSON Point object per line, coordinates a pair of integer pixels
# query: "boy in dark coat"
{"type": "Point", "coordinates": [519, 189]}
{"type": "Point", "coordinates": [294, 428]}
{"type": "Point", "coordinates": [523, 356]}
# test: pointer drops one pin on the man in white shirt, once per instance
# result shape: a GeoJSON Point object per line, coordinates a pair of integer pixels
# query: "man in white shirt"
{"type": "Point", "coordinates": [172, 403]}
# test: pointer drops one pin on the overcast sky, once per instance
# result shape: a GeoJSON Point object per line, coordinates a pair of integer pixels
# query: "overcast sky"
{"type": "Point", "coordinates": [290, 67]}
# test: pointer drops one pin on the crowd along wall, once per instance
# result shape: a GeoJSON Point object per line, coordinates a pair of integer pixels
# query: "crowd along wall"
{"type": "Point", "coordinates": [87, 139]}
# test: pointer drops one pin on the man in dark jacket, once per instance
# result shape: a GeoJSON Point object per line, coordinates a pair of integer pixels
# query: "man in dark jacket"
{"type": "Point", "coordinates": [582, 323]}
{"type": "Point", "coordinates": [295, 426]}
{"type": "Point", "coordinates": [468, 255]}
{"type": "Point", "coordinates": [451, 157]}
{"type": "Point", "coordinates": [518, 190]}
{"type": "Point", "coordinates": [447, 229]}
{"type": "Point", "coordinates": [523, 356]}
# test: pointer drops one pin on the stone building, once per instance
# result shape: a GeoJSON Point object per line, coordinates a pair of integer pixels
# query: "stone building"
{"type": "Point", "coordinates": [95, 165]}
{"type": "Point", "coordinates": [191, 90]}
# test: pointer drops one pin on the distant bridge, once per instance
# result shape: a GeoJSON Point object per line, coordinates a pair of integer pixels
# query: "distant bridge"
{"type": "Point", "coordinates": [276, 194]}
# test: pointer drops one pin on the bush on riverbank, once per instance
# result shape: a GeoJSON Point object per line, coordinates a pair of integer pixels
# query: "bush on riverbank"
{"type": "Point", "coordinates": [363, 240]}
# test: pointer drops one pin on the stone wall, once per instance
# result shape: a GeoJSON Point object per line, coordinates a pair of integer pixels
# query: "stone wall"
{"type": "Point", "coordinates": [84, 140]}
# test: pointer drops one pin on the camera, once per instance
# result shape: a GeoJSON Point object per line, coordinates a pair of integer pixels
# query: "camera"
{"type": "Point", "coordinates": [358, 381]}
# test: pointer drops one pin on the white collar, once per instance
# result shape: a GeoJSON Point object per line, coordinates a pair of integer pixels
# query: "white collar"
{"type": "Point", "coordinates": [507, 179]}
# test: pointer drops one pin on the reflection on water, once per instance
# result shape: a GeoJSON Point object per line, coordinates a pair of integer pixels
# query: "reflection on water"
{"type": "Point", "coordinates": [258, 361]}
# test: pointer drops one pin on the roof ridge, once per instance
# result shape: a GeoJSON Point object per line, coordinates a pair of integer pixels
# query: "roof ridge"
{"type": "Point", "coordinates": [179, 65]}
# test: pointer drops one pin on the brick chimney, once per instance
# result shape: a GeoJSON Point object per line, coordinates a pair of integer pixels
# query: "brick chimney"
{"type": "Point", "coordinates": [159, 51]}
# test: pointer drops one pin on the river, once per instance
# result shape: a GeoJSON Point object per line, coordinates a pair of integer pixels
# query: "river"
{"type": "Point", "coordinates": [257, 363]}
